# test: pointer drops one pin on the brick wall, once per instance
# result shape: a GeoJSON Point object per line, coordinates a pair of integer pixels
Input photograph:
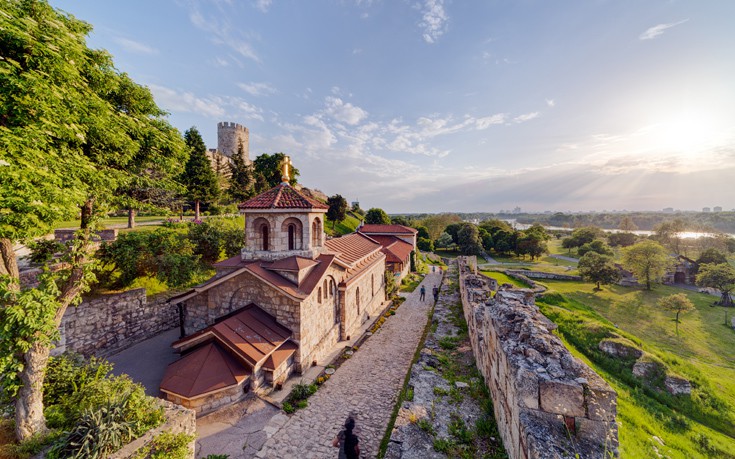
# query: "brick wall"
{"type": "Point", "coordinates": [106, 324]}
{"type": "Point", "coordinates": [547, 403]}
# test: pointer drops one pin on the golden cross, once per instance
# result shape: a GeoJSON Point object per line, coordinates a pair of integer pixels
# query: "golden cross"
{"type": "Point", "coordinates": [284, 167]}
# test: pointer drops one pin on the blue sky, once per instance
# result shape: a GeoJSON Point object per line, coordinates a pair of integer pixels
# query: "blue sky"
{"type": "Point", "coordinates": [436, 105]}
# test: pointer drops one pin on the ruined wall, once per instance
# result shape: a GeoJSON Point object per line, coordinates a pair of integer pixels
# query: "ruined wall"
{"type": "Point", "coordinates": [543, 275]}
{"type": "Point", "coordinates": [178, 420]}
{"type": "Point", "coordinates": [547, 403]}
{"type": "Point", "coordinates": [106, 324]}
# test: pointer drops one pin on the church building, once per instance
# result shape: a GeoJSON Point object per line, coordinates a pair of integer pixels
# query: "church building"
{"type": "Point", "coordinates": [277, 308]}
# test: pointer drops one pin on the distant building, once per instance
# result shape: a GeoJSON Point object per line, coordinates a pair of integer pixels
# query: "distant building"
{"type": "Point", "coordinates": [668, 210]}
{"type": "Point", "coordinates": [706, 209]}
{"type": "Point", "coordinates": [517, 210]}
{"type": "Point", "coordinates": [717, 209]}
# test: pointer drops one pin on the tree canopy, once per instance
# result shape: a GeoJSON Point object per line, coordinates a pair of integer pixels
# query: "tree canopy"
{"type": "Point", "coordinates": [647, 260]}
{"type": "Point", "coordinates": [242, 180]}
{"type": "Point", "coordinates": [597, 268]}
{"type": "Point", "coordinates": [268, 172]}
{"type": "Point", "coordinates": [198, 177]}
{"type": "Point", "coordinates": [74, 131]}
{"type": "Point", "coordinates": [337, 209]}
{"type": "Point", "coordinates": [678, 303]}
{"type": "Point", "coordinates": [720, 276]}
{"type": "Point", "coordinates": [377, 216]}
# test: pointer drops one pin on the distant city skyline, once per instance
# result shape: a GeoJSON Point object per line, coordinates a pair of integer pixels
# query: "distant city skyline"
{"type": "Point", "coordinates": [431, 105]}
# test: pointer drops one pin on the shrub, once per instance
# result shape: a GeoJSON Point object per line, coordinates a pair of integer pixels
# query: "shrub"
{"type": "Point", "coordinates": [170, 446]}
{"type": "Point", "coordinates": [215, 237]}
{"type": "Point", "coordinates": [288, 408]}
{"type": "Point", "coordinates": [43, 250]}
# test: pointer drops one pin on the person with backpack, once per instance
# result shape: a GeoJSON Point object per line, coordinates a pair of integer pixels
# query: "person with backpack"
{"type": "Point", "coordinates": [347, 441]}
{"type": "Point", "coordinates": [422, 297]}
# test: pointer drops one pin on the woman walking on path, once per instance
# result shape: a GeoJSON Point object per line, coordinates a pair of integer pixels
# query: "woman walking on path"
{"type": "Point", "coordinates": [348, 443]}
{"type": "Point", "coordinates": [423, 293]}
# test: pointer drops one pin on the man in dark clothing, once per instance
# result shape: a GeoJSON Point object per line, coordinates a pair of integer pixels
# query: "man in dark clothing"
{"type": "Point", "coordinates": [423, 293]}
{"type": "Point", "coordinates": [436, 293]}
{"type": "Point", "coordinates": [348, 443]}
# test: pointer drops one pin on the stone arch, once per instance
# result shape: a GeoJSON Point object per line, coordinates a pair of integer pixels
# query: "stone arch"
{"type": "Point", "coordinates": [262, 230]}
{"type": "Point", "coordinates": [293, 228]}
{"type": "Point", "coordinates": [316, 232]}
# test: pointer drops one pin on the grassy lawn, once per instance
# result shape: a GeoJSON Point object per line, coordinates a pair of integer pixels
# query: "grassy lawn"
{"type": "Point", "coordinates": [503, 278]}
{"type": "Point", "coordinates": [701, 425]}
{"type": "Point", "coordinates": [410, 282]}
{"type": "Point", "coordinates": [346, 226]}
{"type": "Point", "coordinates": [113, 221]}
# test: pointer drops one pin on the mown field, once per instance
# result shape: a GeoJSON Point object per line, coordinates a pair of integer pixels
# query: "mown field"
{"type": "Point", "coordinates": [652, 423]}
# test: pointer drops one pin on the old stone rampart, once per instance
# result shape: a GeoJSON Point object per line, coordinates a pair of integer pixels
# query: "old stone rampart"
{"type": "Point", "coordinates": [107, 324]}
{"type": "Point", "coordinates": [543, 275]}
{"type": "Point", "coordinates": [178, 420]}
{"type": "Point", "coordinates": [547, 403]}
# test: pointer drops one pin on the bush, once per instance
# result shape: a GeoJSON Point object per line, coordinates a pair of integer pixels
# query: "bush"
{"type": "Point", "coordinates": [171, 446]}
{"type": "Point", "coordinates": [43, 250]}
{"type": "Point", "coordinates": [216, 237]}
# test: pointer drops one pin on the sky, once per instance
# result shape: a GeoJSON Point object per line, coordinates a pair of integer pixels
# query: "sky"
{"type": "Point", "coordinates": [452, 106]}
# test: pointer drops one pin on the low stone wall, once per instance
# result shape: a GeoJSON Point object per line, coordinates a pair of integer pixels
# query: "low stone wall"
{"type": "Point", "coordinates": [63, 235]}
{"type": "Point", "coordinates": [543, 275]}
{"type": "Point", "coordinates": [107, 324]}
{"type": "Point", "coordinates": [547, 403]}
{"type": "Point", "coordinates": [178, 420]}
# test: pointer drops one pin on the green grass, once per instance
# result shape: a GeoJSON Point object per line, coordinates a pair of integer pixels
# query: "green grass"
{"type": "Point", "coordinates": [503, 278]}
{"type": "Point", "coordinates": [410, 282]}
{"type": "Point", "coordinates": [702, 425]}
{"type": "Point", "coordinates": [346, 226]}
{"type": "Point", "coordinates": [105, 222]}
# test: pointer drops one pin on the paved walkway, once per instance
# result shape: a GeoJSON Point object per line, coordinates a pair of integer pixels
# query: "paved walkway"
{"type": "Point", "coordinates": [565, 258]}
{"type": "Point", "coordinates": [367, 385]}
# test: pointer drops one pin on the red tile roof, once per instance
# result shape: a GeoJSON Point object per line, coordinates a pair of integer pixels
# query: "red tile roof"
{"type": "Point", "coordinates": [206, 369]}
{"type": "Point", "coordinates": [280, 355]}
{"type": "Point", "coordinates": [398, 252]}
{"type": "Point", "coordinates": [352, 248]}
{"type": "Point", "coordinates": [294, 263]}
{"type": "Point", "coordinates": [386, 229]}
{"type": "Point", "coordinates": [282, 197]}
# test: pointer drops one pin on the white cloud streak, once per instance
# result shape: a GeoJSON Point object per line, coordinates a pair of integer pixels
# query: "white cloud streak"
{"type": "Point", "coordinates": [433, 20]}
{"type": "Point", "coordinates": [257, 89]}
{"type": "Point", "coordinates": [655, 31]}
{"type": "Point", "coordinates": [263, 5]}
{"type": "Point", "coordinates": [212, 106]}
{"type": "Point", "coordinates": [135, 46]}
{"type": "Point", "coordinates": [223, 33]}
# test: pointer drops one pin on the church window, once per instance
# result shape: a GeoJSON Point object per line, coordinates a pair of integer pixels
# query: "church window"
{"type": "Point", "coordinates": [357, 299]}
{"type": "Point", "coordinates": [264, 235]}
{"type": "Point", "coordinates": [319, 295]}
{"type": "Point", "coordinates": [291, 237]}
{"type": "Point", "coordinates": [326, 290]}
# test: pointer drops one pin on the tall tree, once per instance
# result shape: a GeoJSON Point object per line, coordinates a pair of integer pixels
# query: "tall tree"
{"type": "Point", "coordinates": [242, 182]}
{"type": "Point", "coordinates": [337, 209]}
{"type": "Point", "coordinates": [377, 216]}
{"type": "Point", "coordinates": [669, 232]}
{"type": "Point", "coordinates": [597, 268]}
{"type": "Point", "coordinates": [647, 260]}
{"type": "Point", "coordinates": [199, 178]}
{"type": "Point", "coordinates": [70, 131]}
{"type": "Point", "coordinates": [627, 224]}
{"type": "Point", "coordinates": [678, 303]}
{"type": "Point", "coordinates": [268, 171]}
{"type": "Point", "coordinates": [468, 239]}
{"type": "Point", "coordinates": [720, 276]}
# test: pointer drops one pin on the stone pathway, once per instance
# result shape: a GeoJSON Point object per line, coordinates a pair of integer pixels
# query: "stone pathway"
{"type": "Point", "coordinates": [565, 258]}
{"type": "Point", "coordinates": [367, 386]}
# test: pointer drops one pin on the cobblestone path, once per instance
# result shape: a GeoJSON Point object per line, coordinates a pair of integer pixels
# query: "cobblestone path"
{"type": "Point", "coordinates": [366, 385]}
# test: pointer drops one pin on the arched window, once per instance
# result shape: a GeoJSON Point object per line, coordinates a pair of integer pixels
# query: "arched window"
{"type": "Point", "coordinates": [292, 228]}
{"type": "Point", "coordinates": [357, 299]}
{"type": "Point", "coordinates": [326, 290]}
{"type": "Point", "coordinates": [316, 233]}
{"type": "Point", "coordinates": [291, 237]}
{"type": "Point", "coordinates": [319, 295]}
{"type": "Point", "coordinates": [372, 284]}
{"type": "Point", "coordinates": [264, 236]}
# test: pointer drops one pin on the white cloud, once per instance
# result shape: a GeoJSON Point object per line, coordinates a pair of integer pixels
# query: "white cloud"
{"type": "Point", "coordinates": [223, 33]}
{"type": "Point", "coordinates": [433, 20]}
{"type": "Point", "coordinates": [526, 117]}
{"type": "Point", "coordinates": [211, 106]}
{"type": "Point", "coordinates": [550, 102]}
{"type": "Point", "coordinates": [487, 121]}
{"type": "Point", "coordinates": [263, 5]}
{"type": "Point", "coordinates": [655, 31]}
{"type": "Point", "coordinates": [135, 46]}
{"type": "Point", "coordinates": [257, 89]}
{"type": "Point", "coordinates": [344, 112]}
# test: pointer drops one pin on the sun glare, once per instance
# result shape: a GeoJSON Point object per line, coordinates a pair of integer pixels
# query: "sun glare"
{"type": "Point", "coordinates": [687, 134]}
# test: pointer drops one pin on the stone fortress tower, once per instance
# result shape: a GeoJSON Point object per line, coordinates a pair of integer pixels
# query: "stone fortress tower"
{"type": "Point", "coordinates": [229, 135]}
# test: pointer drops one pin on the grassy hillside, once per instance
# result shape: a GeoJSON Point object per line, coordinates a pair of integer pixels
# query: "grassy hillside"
{"type": "Point", "coordinates": [346, 226]}
{"type": "Point", "coordinates": [652, 422]}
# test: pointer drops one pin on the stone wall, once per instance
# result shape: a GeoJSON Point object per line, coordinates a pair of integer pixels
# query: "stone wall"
{"type": "Point", "coordinates": [178, 420]}
{"type": "Point", "coordinates": [543, 275]}
{"type": "Point", "coordinates": [547, 403]}
{"type": "Point", "coordinates": [229, 136]}
{"type": "Point", "coordinates": [107, 324]}
{"type": "Point", "coordinates": [64, 235]}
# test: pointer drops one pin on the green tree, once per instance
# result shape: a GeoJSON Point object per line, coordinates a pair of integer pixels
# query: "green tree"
{"type": "Point", "coordinates": [377, 216]}
{"type": "Point", "coordinates": [598, 245]}
{"type": "Point", "coordinates": [493, 225]}
{"type": "Point", "coordinates": [400, 220]}
{"type": "Point", "coordinates": [711, 256]}
{"type": "Point", "coordinates": [337, 209]}
{"type": "Point", "coordinates": [669, 232]}
{"type": "Point", "coordinates": [647, 260]}
{"type": "Point", "coordinates": [678, 303]}
{"type": "Point", "coordinates": [627, 224]}
{"type": "Point", "coordinates": [422, 232]}
{"type": "Point", "coordinates": [720, 276]}
{"type": "Point", "coordinates": [73, 130]}
{"type": "Point", "coordinates": [268, 171]}
{"type": "Point", "coordinates": [444, 241]}
{"type": "Point", "coordinates": [468, 239]}
{"type": "Point", "coordinates": [597, 268]}
{"type": "Point", "coordinates": [199, 178]}
{"type": "Point", "coordinates": [425, 244]}
{"type": "Point", "coordinates": [621, 239]}
{"type": "Point", "coordinates": [436, 224]}
{"type": "Point", "coordinates": [581, 236]}
{"type": "Point", "coordinates": [242, 182]}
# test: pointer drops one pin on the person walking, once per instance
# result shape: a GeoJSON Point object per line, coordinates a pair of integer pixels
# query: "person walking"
{"type": "Point", "coordinates": [435, 291]}
{"type": "Point", "coordinates": [347, 441]}
{"type": "Point", "coordinates": [423, 293]}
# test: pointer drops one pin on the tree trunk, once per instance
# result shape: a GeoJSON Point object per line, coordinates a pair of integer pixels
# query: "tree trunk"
{"type": "Point", "coordinates": [86, 213]}
{"type": "Point", "coordinates": [29, 419]}
{"type": "Point", "coordinates": [8, 260]}
{"type": "Point", "coordinates": [131, 218]}
{"type": "Point", "coordinates": [196, 210]}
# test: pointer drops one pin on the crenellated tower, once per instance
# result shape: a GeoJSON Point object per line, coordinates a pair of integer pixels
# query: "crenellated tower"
{"type": "Point", "coordinates": [229, 135]}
